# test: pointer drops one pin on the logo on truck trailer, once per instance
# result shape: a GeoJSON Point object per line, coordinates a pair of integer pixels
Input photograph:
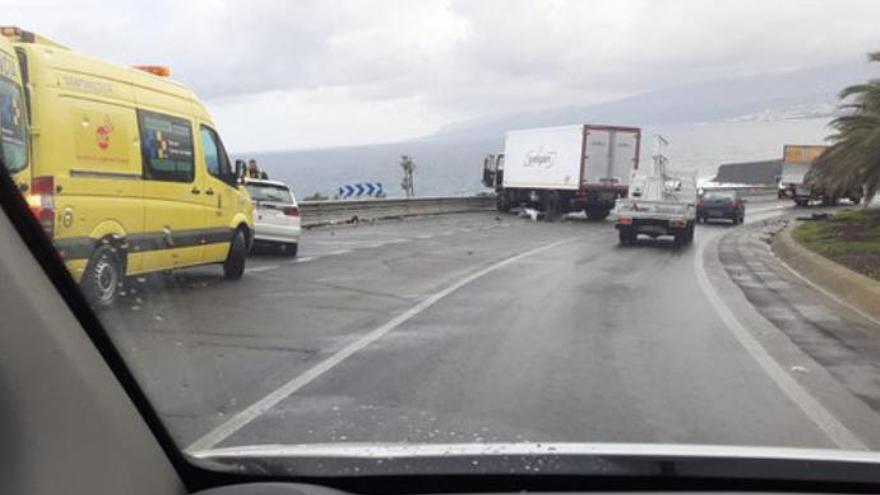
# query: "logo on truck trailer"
{"type": "Point", "coordinates": [540, 158]}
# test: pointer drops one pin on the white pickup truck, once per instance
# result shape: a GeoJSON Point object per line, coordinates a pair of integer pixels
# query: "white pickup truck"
{"type": "Point", "coordinates": [659, 202]}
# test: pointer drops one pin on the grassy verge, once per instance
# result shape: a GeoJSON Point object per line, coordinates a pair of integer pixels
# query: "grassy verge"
{"type": "Point", "coordinates": [850, 237]}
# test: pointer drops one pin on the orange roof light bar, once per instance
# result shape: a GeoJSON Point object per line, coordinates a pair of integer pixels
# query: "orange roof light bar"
{"type": "Point", "coordinates": [156, 70]}
{"type": "Point", "coordinates": [17, 32]}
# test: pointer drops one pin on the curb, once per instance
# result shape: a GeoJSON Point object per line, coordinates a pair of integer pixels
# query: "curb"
{"type": "Point", "coordinates": [852, 289]}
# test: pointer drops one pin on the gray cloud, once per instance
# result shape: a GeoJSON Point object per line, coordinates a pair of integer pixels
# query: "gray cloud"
{"type": "Point", "coordinates": [458, 57]}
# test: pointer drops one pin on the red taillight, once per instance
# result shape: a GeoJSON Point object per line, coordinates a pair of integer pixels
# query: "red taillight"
{"type": "Point", "coordinates": [291, 211]}
{"type": "Point", "coordinates": [41, 199]}
{"type": "Point", "coordinates": [734, 205]}
{"type": "Point", "coordinates": [624, 220]}
{"type": "Point", "coordinates": [700, 203]}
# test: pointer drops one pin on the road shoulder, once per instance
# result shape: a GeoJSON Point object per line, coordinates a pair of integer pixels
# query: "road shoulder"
{"type": "Point", "coordinates": [738, 288]}
{"type": "Point", "coordinates": [839, 282]}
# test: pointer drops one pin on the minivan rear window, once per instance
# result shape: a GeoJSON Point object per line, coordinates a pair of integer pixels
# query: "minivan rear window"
{"type": "Point", "coordinates": [269, 192]}
{"type": "Point", "coordinates": [719, 195]}
{"type": "Point", "coordinates": [166, 146]}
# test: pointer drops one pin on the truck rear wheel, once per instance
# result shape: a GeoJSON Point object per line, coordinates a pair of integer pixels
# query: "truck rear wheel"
{"type": "Point", "coordinates": [626, 237]}
{"type": "Point", "coordinates": [801, 202]}
{"type": "Point", "coordinates": [597, 213]}
{"type": "Point", "coordinates": [679, 240]}
{"type": "Point", "coordinates": [551, 207]}
{"type": "Point", "coordinates": [830, 201]}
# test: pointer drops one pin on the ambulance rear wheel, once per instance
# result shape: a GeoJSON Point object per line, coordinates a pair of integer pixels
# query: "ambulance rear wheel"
{"type": "Point", "coordinates": [103, 277]}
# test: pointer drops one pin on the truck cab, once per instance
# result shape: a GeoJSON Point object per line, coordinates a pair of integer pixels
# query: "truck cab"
{"type": "Point", "coordinates": [493, 177]}
{"type": "Point", "coordinates": [493, 170]}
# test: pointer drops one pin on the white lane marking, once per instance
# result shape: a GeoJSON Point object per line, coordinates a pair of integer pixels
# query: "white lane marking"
{"type": "Point", "coordinates": [818, 414]}
{"type": "Point", "coordinates": [338, 251]}
{"type": "Point", "coordinates": [425, 236]}
{"type": "Point", "coordinates": [303, 259]}
{"type": "Point", "coordinates": [258, 269]}
{"type": "Point", "coordinates": [244, 417]}
{"type": "Point", "coordinates": [360, 243]}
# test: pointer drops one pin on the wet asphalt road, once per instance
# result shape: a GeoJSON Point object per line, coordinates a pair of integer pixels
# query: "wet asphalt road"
{"type": "Point", "coordinates": [476, 327]}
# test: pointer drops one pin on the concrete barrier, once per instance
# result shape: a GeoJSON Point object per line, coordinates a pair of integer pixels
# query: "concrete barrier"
{"type": "Point", "coordinates": [316, 213]}
{"type": "Point", "coordinates": [853, 289]}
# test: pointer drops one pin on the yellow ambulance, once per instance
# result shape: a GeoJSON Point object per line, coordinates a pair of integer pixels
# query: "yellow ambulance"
{"type": "Point", "coordinates": [123, 168]}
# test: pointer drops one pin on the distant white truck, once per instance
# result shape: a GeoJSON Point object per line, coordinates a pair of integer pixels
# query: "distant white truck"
{"type": "Point", "coordinates": [794, 183]}
{"type": "Point", "coordinates": [660, 202]}
{"type": "Point", "coordinates": [564, 169]}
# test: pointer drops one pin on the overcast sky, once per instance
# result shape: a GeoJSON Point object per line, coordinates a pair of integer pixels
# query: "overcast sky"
{"type": "Point", "coordinates": [304, 74]}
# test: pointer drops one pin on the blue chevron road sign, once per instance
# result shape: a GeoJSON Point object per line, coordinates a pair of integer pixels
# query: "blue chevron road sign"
{"type": "Point", "coordinates": [370, 189]}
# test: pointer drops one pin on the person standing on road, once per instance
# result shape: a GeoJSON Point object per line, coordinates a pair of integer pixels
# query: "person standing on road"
{"type": "Point", "coordinates": [254, 172]}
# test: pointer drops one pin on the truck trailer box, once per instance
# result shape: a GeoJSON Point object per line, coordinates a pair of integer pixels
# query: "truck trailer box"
{"type": "Point", "coordinates": [573, 157]}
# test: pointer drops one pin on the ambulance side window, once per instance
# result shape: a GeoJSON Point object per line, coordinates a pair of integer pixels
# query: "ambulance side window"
{"type": "Point", "coordinates": [216, 159]}
{"type": "Point", "coordinates": [12, 126]}
{"type": "Point", "coordinates": [166, 147]}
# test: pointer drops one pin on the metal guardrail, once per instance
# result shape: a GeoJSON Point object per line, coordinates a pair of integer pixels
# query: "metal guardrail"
{"type": "Point", "coordinates": [747, 191]}
{"type": "Point", "coordinates": [317, 213]}
{"type": "Point", "coordinates": [759, 194]}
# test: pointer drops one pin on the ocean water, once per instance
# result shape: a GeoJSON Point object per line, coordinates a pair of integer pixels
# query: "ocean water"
{"type": "Point", "coordinates": [453, 168]}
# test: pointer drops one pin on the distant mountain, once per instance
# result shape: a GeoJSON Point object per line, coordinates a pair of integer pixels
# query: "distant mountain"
{"type": "Point", "coordinates": [806, 93]}
{"type": "Point", "coordinates": [731, 120]}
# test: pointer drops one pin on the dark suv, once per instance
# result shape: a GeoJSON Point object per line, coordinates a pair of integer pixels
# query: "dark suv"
{"type": "Point", "coordinates": [721, 204]}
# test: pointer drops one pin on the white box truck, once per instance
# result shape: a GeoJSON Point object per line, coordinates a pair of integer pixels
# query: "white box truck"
{"type": "Point", "coordinates": [564, 169]}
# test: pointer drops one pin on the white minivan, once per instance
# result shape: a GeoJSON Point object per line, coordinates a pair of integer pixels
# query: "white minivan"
{"type": "Point", "coordinates": [276, 214]}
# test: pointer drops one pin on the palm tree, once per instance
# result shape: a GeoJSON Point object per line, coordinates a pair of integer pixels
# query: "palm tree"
{"type": "Point", "coordinates": [853, 159]}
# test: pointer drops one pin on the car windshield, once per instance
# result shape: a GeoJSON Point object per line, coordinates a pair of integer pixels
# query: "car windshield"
{"type": "Point", "coordinates": [269, 192]}
{"type": "Point", "coordinates": [504, 244]}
